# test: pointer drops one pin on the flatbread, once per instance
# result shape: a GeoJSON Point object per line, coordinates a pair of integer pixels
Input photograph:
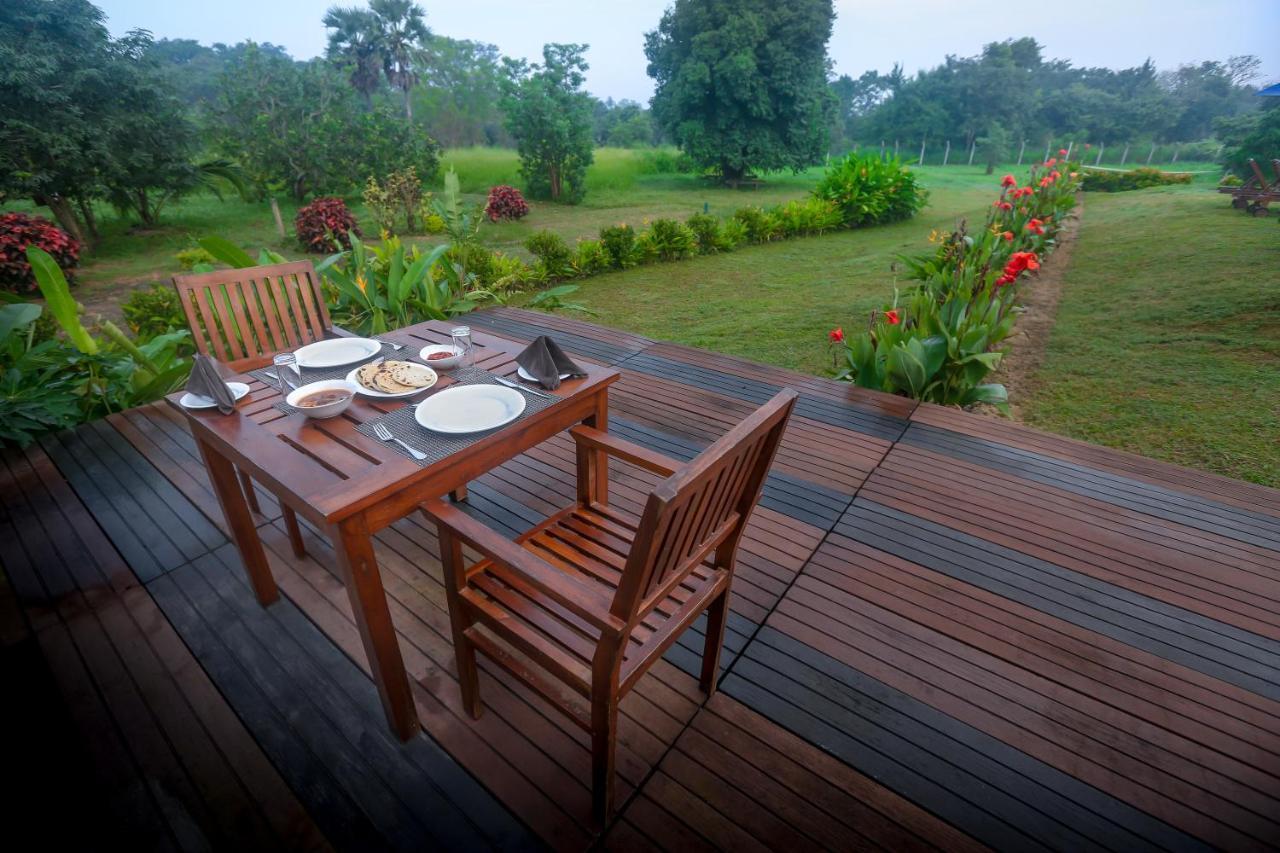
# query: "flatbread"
{"type": "Point", "coordinates": [386, 382]}
{"type": "Point", "coordinates": [413, 375]}
{"type": "Point", "coordinates": [366, 373]}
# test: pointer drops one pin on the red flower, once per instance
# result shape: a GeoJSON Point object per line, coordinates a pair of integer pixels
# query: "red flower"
{"type": "Point", "coordinates": [1045, 181]}
{"type": "Point", "coordinates": [1008, 236]}
{"type": "Point", "coordinates": [836, 335]}
{"type": "Point", "coordinates": [893, 317]}
{"type": "Point", "coordinates": [1004, 205]}
{"type": "Point", "coordinates": [1062, 152]}
{"type": "Point", "coordinates": [1054, 175]}
{"type": "Point", "coordinates": [1051, 162]}
{"type": "Point", "coordinates": [1008, 181]}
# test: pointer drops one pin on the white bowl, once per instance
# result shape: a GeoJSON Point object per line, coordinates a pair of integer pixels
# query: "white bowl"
{"type": "Point", "coordinates": [330, 410]}
{"type": "Point", "coordinates": [440, 363]}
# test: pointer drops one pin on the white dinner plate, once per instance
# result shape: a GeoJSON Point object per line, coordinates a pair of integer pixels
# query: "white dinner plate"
{"type": "Point", "coordinates": [369, 392]}
{"type": "Point", "coordinates": [336, 352]}
{"type": "Point", "coordinates": [528, 377]}
{"type": "Point", "coordinates": [199, 401]}
{"type": "Point", "coordinates": [470, 408]}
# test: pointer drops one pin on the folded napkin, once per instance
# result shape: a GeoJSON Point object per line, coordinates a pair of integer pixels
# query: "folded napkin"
{"type": "Point", "coordinates": [206, 381]}
{"type": "Point", "coordinates": [546, 362]}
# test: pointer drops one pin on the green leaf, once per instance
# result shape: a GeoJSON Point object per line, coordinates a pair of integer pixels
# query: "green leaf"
{"type": "Point", "coordinates": [18, 316]}
{"type": "Point", "coordinates": [57, 296]}
{"type": "Point", "coordinates": [994, 394]}
{"type": "Point", "coordinates": [226, 252]}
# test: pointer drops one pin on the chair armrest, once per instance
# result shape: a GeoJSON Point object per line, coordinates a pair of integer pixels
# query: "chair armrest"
{"type": "Point", "coordinates": [625, 450]}
{"type": "Point", "coordinates": [339, 332]}
{"type": "Point", "coordinates": [583, 600]}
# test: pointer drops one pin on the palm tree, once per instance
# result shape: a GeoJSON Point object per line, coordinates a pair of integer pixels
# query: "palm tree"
{"type": "Point", "coordinates": [402, 31]}
{"type": "Point", "coordinates": [355, 42]}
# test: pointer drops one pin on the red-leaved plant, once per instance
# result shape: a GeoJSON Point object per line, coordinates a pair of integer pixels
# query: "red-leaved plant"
{"type": "Point", "coordinates": [20, 230]}
{"type": "Point", "coordinates": [325, 225]}
{"type": "Point", "coordinates": [505, 203]}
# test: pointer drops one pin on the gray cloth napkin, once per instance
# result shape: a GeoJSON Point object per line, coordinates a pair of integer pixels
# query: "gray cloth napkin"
{"type": "Point", "coordinates": [206, 381]}
{"type": "Point", "coordinates": [545, 361]}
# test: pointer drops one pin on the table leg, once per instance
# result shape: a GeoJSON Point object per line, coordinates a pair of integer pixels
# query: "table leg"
{"type": "Point", "coordinates": [459, 494]}
{"type": "Point", "coordinates": [373, 619]}
{"type": "Point", "coordinates": [600, 470]}
{"type": "Point", "coordinates": [235, 509]}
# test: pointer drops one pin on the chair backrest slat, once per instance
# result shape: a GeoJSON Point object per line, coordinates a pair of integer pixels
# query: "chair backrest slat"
{"type": "Point", "coordinates": [700, 509]}
{"type": "Point", "coordinates": [241, 314]}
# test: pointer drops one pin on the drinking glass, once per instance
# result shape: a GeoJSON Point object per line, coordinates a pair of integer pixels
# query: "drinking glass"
{"type": "Point", "coordinates": [463, 344]}
{"type": "Point", "coordinates": [287, 375]}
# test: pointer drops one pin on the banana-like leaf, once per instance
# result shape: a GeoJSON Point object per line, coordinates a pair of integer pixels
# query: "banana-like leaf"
{"type": "Point", "coordinates": [18, 316]}
{"type": "Point", "coordinates": [57, 296]}
{"type": "Point", "coordinates": [227, 252]}
{"type": "Point", "coordinates": [395, 273]}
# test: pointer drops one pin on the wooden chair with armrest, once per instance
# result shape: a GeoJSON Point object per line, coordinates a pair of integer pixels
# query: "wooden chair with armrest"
{"type": "Point", "coordinates": [243, 317]}
{"type": "Point", "coordinates": [592, 597]}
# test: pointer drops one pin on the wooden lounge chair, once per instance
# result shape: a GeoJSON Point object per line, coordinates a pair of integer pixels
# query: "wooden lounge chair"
{"type": "Point", "coordinates": [591, 598]}
{"type": "Point", "coordinates": [243, 317]}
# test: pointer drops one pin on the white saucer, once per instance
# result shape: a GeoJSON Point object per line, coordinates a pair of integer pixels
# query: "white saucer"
{"type": "Point", "coordinates": [528, 377]}
{"type": "Point", "coordinates": [197, 401]}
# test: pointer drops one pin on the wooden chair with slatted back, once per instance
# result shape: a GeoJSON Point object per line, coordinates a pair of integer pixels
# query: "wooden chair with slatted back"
{"type": "Point", "coordinates": [243, 317]}
{"type": "Point", "coordinates": [592, 597]}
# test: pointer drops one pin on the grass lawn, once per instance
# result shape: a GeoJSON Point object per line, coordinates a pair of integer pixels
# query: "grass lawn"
{"type": "Point", "coordinates": [1167, 341]}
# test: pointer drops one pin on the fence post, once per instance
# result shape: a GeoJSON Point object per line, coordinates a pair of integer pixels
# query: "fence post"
{"type": "Point", "coordinates": [1070, 145]}
{"type": "Point", "coordinates": [1176, 146]}
{"type": "Point", "coordinates": [946, 153]}
{"type": "Point", "coordinates": [1048, 146]}
{"type": "Point", "coordinates": [275, 213]}
{"type": "Point", "coordinates": [895, 149]}
{"type": "Point", "coordinates": [972, 145]}
{"type": "Point", "coordinates": [1125, 155]}
{"type": "Point", "coordinates": [1151, 153]}
{"type": "Point", "coordinates": [920, 162]}
{"type": "Point", "coordinates": [1022, 150]}
{"type": "Point", "coordinates": [881, 149]}
{"type": "Point", "coordinates": [1102, 146]}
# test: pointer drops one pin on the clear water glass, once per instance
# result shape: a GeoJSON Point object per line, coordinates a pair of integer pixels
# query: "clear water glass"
{"type": "Point", "coordinates": [463, 344]}
{"type": "Point", "coordinates": [287, 375]}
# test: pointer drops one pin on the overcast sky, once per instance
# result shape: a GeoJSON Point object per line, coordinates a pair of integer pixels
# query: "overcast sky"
{"type": "Point", "coordinates": [869, 34]}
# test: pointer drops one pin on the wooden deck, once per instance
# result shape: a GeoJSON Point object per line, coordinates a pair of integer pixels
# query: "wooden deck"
{"type": "Point", "coordinates": [948, 632]}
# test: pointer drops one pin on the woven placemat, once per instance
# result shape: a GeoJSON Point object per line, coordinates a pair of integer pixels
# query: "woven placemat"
{"type": "Point", "coordinates": [319, 374]}
{"type": "Point", "coordinates": [437, 446]}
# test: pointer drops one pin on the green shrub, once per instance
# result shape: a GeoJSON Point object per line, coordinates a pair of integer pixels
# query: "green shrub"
{"type": "Point", "coordinates": [666, 240]}
{"type": "Point", "coordinates": [706, 231]}
{"type": "Point", "coordinates": [475, 260]}
{"type": "Point", "coordinates": [554, 255]}
{"type": "Point", "coordinates": [760, 225]}
{"type": "Point", "coordinates": [188, 259]}
{"type": "Point", "coordinates": [666, 161]}
{"type": "Point", "coordinates": [591, 258]}
{"type": "Point", "coordinates": [810, 216]}
{"type": "Point", "coordinates": [620, 242]}
{"type": "Point", "coordinates": [870, 191]}
{"type": "Point", "coordinates": [732, 234]}
{"type": "Point", "coordinates": [1134, 179]}
{"type": "Point", "coordinates": [155, 310]}
{"type": "Point", "coordinates": [508, 273]}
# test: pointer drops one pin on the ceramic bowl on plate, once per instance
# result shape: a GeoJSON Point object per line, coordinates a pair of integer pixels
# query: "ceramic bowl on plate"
{"type": "Point", "coordinates": [470, 408]}
{"type": "Point", "coordinates": [346, 391]}
{"type": "Point", "coordinates": [335, 352]}
{"type": "Point", "coordinates": [440, 363]}
{"type": "Point", "coordinates": [199, 401]}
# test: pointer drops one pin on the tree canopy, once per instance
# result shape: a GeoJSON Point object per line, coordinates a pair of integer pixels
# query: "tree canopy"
{"type": "Point", "coordinates": [549, 116]}
{"type": "Point", "coordinates": [742, 84]}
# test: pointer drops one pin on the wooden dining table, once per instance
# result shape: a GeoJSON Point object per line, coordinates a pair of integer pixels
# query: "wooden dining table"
{"type": "Point", "coordinates": [353, 486]}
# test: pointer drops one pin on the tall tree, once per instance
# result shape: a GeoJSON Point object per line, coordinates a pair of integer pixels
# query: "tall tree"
{"type": "Point", "coordinates": [550, 117]}
{"type": "Point", "coordinates": [742, 84]}
{"type": "Point", "coordinates": [402, 33]}
{"type": "Point", "coordinates": [355, 44]}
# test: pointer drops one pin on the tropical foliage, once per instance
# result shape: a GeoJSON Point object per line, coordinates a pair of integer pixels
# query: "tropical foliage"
{"type": "Point", "coordinates": [505, 204]}
{"type": "Point", "coordinates": [17, 232]}
{"type": "Point", "coordinates": [1098, 180]}
{"type": "Point", "coordinates": [868, 190]}
{"type": "Point", "coordinates": [940, 339]}
{"type": "Point", "coordinates": [325, 225]}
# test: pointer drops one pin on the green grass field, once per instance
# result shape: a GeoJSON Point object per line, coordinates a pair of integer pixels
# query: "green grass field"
{"type": "Point", "coordinates": [1167, 341]}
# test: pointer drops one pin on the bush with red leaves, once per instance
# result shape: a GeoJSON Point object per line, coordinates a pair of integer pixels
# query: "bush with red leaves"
{"type": "Point", "coordinates": [505, 203]}
{"type": "Point", "coordinates": [324, 225]}
{"type": "Point", "coordinates": [17, 232]}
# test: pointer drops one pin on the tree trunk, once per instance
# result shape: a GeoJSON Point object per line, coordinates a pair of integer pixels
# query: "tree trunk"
{"type": "Point", "coordinates": [408, 106]}
{"type": "Point", "coordinates": [66, 216]}
{"type": "Point", "coordinates": [275, 213]}
{"type": "Point", "coordinates": [87, 217]}
{"type": "Point", "coordinates": [731, 175]}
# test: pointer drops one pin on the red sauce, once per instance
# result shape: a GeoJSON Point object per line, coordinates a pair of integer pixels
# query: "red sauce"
{"type": "Point", "coordinates": [439, 354]}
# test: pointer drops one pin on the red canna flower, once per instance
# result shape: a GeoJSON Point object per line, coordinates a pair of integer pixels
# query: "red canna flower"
{"type": "Point", "coordinates": [1004, 205]}
{"type": "Point", "coordinates": [1062, 152]}
{"type": "Point", "coordinates": [1008, 181]}
{"type": "Point", "coordinates": [893, 317]}
{"type": "Point", "coordinates": [1051, 162]}
{"type": "Point", "coordinates": [1008, 236]}
{"type": "Point", "coordinates": [1054, 175]}
{"type": "Point", "coordinates": [836, 335]}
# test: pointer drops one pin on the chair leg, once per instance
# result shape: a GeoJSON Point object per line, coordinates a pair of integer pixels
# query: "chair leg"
{"type": "Point", "coordinates": [717, 616]}
{"type": "Point", "coordinates": [604, 736]}
{"type": "Point", "coordinates": [246, 482]}
{"type": "Point", "coordinates": [295, 532]}
{"type": "Point", "coordinates": [459, 620]}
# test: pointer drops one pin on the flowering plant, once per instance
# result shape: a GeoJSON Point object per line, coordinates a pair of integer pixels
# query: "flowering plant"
{"type": "Point", "coordinates": [17, 232]}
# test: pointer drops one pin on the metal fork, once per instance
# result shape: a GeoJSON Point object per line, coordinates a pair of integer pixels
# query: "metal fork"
{"type": "Point", "coordinates": [385, 434]}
